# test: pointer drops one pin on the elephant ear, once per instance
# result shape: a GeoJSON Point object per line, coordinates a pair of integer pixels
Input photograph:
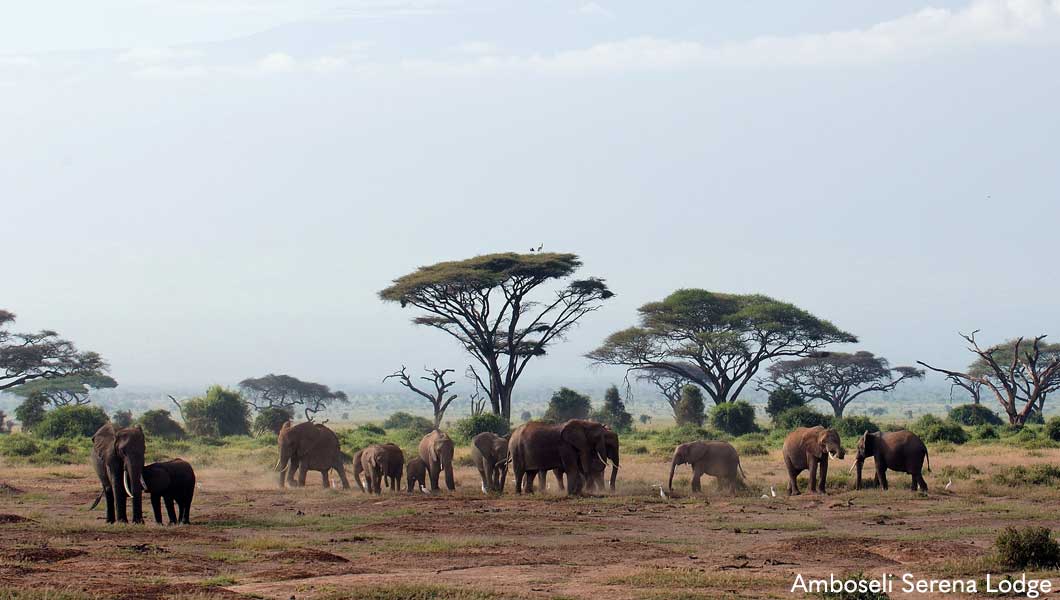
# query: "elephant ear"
{"type": "Point", "coordinates": [574, 434]}
{"type": "Point", "coordinates": [155, 478]}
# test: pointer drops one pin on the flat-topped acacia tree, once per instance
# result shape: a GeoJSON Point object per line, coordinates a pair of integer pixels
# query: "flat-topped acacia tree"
{"type": "Point", "coordinates": [498, 307]}
{"type": "Point", "coordinates": [26, 357]}
{"type": "Point", "coordinates": [726, 337]}
{"type": "Point", "coordinates": [837, 378]}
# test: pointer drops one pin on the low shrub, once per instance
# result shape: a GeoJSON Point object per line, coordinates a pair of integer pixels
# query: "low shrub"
{"type": "Point", "coordinates": [1052, 429]}
{"type": "Point", "coordinates": [1021, 475]}
{"type": "Point", "coordinates": [158, 423]}
{"type": "Point", "coordinates": [361, 437]}
{"type": "Point", "coordinates": [468, 427]}
{"type": "Point", "coordinates": [1032, 547]}
{"type": "Point", "coordinates": [221, 412]}
{"type": "Point", "coordinates": [122, 418]}
{"type": "Point", "coordinates": [964, 472]}
{"type": "Point", "coordinates": [18, 444]}
{"type": "Point", "coordinates": [751, 449]}
{"type": "Point", "coordinates": [933, 429]}
{"type": "Point", "coordinates": [674, 436]}
{"type": "Point", "coordinates": [986, 432]}
{"type": "Point", "coordinates": [974, 414]}
{"type": "Point", "coordinates": [734, 418]}
{"type": "Point", "coordinates": [803, 416]}
{"type": "Point", "coordinates": [404, 420]}
{"type": "Point", "coordinates": [270, 419]}
{"type": "Point", "coordinates": [854, 426]}
{"type": "Point", "coordinates": [71, 421]}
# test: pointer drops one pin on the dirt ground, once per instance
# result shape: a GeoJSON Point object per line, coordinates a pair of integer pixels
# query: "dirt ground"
{"type": "Point", "coordinates": [251, 539]}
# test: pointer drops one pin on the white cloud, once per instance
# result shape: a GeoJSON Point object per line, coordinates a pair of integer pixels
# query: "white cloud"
{"type": "Point", "coordinates": [277, 62]}
{"type": "Point", "coordinates": [477, 48]}
{"type": "Point", "coordinates": [593, 9]}
{"type": "Point", "coordinates": [152, 56]}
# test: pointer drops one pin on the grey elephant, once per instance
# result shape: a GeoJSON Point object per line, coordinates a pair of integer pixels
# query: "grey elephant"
{"type": "Point", "coordinates": [595, 481]}
{"type": "Point", "coordinates": [809, 448]}
{"type": "Point", "coordinates": [309, 447]}
{"type": "Point", "coordinates": [536, 448]}
{"type": "Point", "coordinates": [436, 451]}
{"type": "Point", "coordinates": [900, 451]}
{"type": "Point", "coordinates": [118, 458]}
{"type": "Point", "coordinates": [489, 452]}
{"type": "Point", "coordinates": [382, 464]}
{"type": "Point", "coordinates": [174, 482]}
{"type": "Point", "coordinates": [416, 474]}
{"type": "Point", "coordinates": [717, 459]}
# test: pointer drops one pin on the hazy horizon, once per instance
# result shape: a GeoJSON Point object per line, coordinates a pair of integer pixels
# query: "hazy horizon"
{"type": "Point", "coordinates": [208, 191]}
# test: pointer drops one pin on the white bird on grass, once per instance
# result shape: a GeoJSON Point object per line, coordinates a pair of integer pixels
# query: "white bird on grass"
{"type": "Point", "coordinates": [949, 483]}
{"type": "Point", "coordinates": [772, 493]}
{"type": "Point", "coordinates": [662, 491]}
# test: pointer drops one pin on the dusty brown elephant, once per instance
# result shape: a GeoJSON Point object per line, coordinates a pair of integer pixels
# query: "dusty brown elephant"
{"type": "Point", "coordinates": [416, 473]}
{"type": "Point", "coordinates": [358, 470]}
{"type": "Point", "coordinates": [809, 448]}
{"type": "Point", "coordinates": [717, 459]}
{"type": "Point", "coordinates": [536, 448]}
{"type": "Point", "coordinates": [436, 450]}
{"type": "Point", "coordinates": [118, 458]}
{"type": "Point", "coordinates": [595, 480]}
{"type": "Point", "coordinates": [382, 464]}
{"type": "Point", "coordinates": [489, 452]}
{"type": "Point", "coordinates": [309, 447]}
{"type": "Point", "coordinates": [900, 451]}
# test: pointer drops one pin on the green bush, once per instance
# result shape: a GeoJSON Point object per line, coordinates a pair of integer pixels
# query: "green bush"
{"type": "Point", "coordinates": [372, 428]}
{"type": "Point", "coordinates": [986, 432]}
{"type": "Point", "coordinates": [271, 418]}
{"type": "Point", "coordinates": [613, 413]}
{"type": "Point", "coordinates": [468, 427]}
{"type": "Point", "coordinates": [18, 444]}
{"type": "Point", "coordinates": [567, 404]}
{"type": "Point", "coordinates": [734, 418]}
{"type": "Point", "coordinates": [71, 421]}
{"type": "Point", "coordinates": [782, 399]}
{"type": "Point", "coordinates": [404, 420]}
{"type": "Point", "coordinates": [933, 429]}
{"type": "Point", "coordinates": [1032, 547]}
{"type": "Point", "coordinates": [1052, 429]}
{"type": "Point", "coordinates": [802, 416]}
{"type": "Point", "coordinates": [158, 423]}
{"type": "Point", "coordinates": [690, 409]}
{"type": "Point", "coordinates": [1020, 475]}
{"type": "Point", "coordinates": [675, 436]}
{"type": "Point", "coordinates": [122, 418]}
{"type": "Point", "coordinates": [974, 414]}
{"type": "Point", "coordinates": [361, 437]}
{"type": "Point", "coordinates": [221, 412]}
{"type": "Point", "coordinates": [32, 410]}
{"type": "Point", "coordinates": [854, 426]}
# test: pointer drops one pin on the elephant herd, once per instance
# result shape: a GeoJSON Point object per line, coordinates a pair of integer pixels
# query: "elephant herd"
{"type": "Point", "coordinates": [577, 452]}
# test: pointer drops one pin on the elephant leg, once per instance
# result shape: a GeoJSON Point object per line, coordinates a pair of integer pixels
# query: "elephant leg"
{"type": "Point", "coordinates": [793, 482]}
{"type": "Point", "coordinates": [519, 474]}
{"type": "Point", "coordinates": [108, 496]}
{"type": "Point", "coordinates": [342, 474]}
{"type": "Point", "coordinates": [170, 510]}
{"type": "Point", "coordinates": [923, 484]}
{"type": "Point", "coordinates": [117, 487]}
{"type": "Point", "coordinates": [292, 471]}
{"type": "Point", "coordinates": [530, 481]}
{"type": "Point", "coordinates": [882, 476]}
{"type": "Point", "coordinates": [697, 476]}
{"type": "Point", "coordinates": [824, 476]}
{"type": "Point", "coordinates": [484, 475]}
{"type": "Point", "coordinates": [324, 475]}
{"type": "Point", "coordinates": [813, 476]}
{"type": "Point", "coordinates": [303, 470]}
{"type": "Point", "coordinates": [560, 483]}
{"type": "Point", "coordinates": [156, 507]}
{"type": "Point", "coordinates": [434, 469]}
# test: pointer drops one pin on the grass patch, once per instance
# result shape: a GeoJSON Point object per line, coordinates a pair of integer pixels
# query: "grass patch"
{"type": "Point", "coordinates": [225, 556]}
{"type": "Point", "coordinates": [1020, 475]}
{"type": "Point", "coordinates": [686, 578]}
{"type": "Point", "coordinates": [218, 581]}
{"type": "Point", "coordinates": [411, 592]}
{"type": "Point", "coordinates": [44, 594]}
{"type": "Point", "coordinates": [262, 543]}
{"type": "Point", "coordinates": [962, 473]}
{"type": "Point", "coordinates": [436, 546]}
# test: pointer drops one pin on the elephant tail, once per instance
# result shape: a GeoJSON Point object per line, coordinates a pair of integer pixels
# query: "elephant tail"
{"type": "Point", "coordinates": [928, 458]}
{"type": "Point", "coordinates": [95, 503]}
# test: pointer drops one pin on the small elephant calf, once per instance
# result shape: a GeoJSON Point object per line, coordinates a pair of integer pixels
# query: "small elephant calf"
{"type": "Point", "coordinates": [172, 481]}
{"type": "Point", "coordinates": [416, 473]}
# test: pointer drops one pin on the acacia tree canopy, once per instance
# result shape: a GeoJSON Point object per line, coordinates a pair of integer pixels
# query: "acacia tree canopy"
{"type": "Point", "coordinates": [25, 357]}
{"type": "Point", "coordinates": [1020, 373]}
{"type": "Point", "coordinates": [71, 389]}
{"type": "Point", "coordinates": [727, 337]}
{"type": "Point", "coordinates": [493, 305]}
{"type": "Point", "coordinates": [287, 392]}
{"type": "Point", "coordinates": [837, 378]}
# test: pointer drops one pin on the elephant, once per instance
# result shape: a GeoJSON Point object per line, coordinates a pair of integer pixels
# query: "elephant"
{"type": "Point", "coordinates": [118, 458]}
{"type": "Point", "coordinates": [489, 452]}
{"type": "Point", "coordinates": [358, 469]}
{"type": "Point", "coordinates": [309, 447]}
{"type": "Point", "coordinates": [597, 468]}
{"type": "Point", "coordinates": [382, 465]}
{"type": "Point", "coordinates": [416, 473]}
{"type": "Point", "coordinates": [536, 448]}
{"type": "Point", "coordinates": [172, 481]}
{"type": "Point", "coordinates": [900, 451]}
{"type": "Point", "coordinates": [718, 459]}
{"type": "Point", "coordinates": [436, 450]}
{"type": "Point", "coordinates": [809, 448]}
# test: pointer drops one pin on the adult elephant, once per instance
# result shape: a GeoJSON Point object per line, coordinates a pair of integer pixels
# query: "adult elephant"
{"type": "Point", "coordinates": [309, 447]}
{"type": "Point", "coordinates": [809, 448]}
{"type": "Point", "coordinates": [598, 467]}
{"type": "Point", "coordinates": [900, 451]}
{"type": "Point", "coordinates": [118, 458]}
{"type": "Point", "coordinates": [382, 465]}
{"type": "Point", "coordinates": [436, 450]}
{"type": "Point", "coordinates": [717, 459]}
{"type": "Point", "coordinates": [489, 452]}
{"type": "Point", "coordinates": [571, 446]}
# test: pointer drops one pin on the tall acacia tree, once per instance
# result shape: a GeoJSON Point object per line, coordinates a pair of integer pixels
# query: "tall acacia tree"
{"type": "Point", "coordinates": [728, 337]}
{"type": "Point", "coordinates": [1020, 373]}
{"type": "Point", "coordinates": [498, 309]}
{"type": "Point", "coordinates": [286, 392]}
{"type": "Point", "coordinates": [25, 357]}
{"type": "Point", "coordinates": [837, 378]}
{"type": "Point", "coordinates": [61, 391]}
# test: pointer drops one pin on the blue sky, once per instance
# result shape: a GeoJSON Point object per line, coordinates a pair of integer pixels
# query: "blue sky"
{"type": "Point", "coordinates": [208, 190]}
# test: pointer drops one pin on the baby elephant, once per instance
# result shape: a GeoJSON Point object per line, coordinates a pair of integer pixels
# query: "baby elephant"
{"type": "Point", "coordinates": [718, 459]}
{"type": "Point", "coordinates": [172, 481]}
{"type": "Point", "coordinates": [416, 474]}
{"type": "Point", "coordinates": [900, 451]}
{"type": "Point", "coordinates": [489, 452]}
{"type": "Point", "coordinates": [809, 448]}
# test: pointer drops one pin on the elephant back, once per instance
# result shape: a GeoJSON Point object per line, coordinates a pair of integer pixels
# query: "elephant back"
{"type": "Point", "coordinates": [537, 445]}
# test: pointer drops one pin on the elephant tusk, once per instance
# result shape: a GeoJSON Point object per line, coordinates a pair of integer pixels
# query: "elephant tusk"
{"type": "Point", "coordinates": [615, 465]}
{"type": "Point", "coordinates": [125, 480]}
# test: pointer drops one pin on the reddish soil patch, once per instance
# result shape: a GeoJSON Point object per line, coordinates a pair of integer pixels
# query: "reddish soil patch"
{"type": "Point", "coordinates": [44, 554]}
{"type": "Point", "coordinates": [309, 555]}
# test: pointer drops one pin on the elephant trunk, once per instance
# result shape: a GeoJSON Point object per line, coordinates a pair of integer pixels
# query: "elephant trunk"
{"type": "Point", "coordinates": [673, 467]}
{"type": "Point", "coordinates": [858, 465]}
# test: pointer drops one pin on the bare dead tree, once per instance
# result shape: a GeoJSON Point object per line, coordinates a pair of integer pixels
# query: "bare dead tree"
{"type": "Point", "coordinates": [439, 398]}
{"type": "Point", "coordinates": [480, 395]}
{"type": "Point", "coordinates": [1020, 374]}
